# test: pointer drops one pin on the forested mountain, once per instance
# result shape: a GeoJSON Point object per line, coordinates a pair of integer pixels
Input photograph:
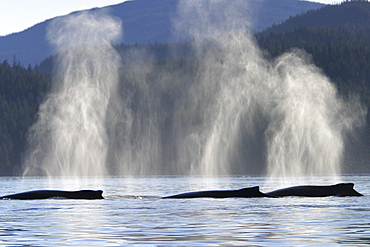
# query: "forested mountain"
{"type": "Point", "coordinates": [144, 22]}
{"type": "Point", "coordinates": [337, 37]}
{"type": "Point", "coordinates": [21, 92]}
{"type": "Point", "coordinates": [347, 14]}
{"type": "Point", "coordinates": [341, 51]}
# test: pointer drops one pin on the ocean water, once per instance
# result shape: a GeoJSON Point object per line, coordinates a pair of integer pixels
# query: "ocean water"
{"type": "Point", "coordinates": [133, 214]}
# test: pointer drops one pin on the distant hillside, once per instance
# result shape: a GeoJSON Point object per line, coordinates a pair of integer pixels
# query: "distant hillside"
{"type": "Point", "coordinates": [346, 14]}
{"type": "Point", "coordinates": [21, 92]}
{"type": "Point", "coordinates": [340, 32]}
{"type": "Point", "coordinates": [144, 21]}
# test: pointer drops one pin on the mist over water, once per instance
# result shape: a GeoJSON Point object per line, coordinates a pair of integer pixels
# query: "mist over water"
{"type": "Point", "coordinates": [135, 146]}
{"type": "Point", "coordinates": [224, 108]}
{"type": "Point", "coordinates": [70, 137]}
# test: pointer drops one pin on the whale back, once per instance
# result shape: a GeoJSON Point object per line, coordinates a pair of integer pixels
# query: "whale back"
{"type": "Point", "coordinates": [342, 189]}
{"type": "Point", "coordinates": [251, 192]}
{"type": "Point", "coordinates": [245, 192]}
{"type": "Point", "coordinates": [46, 194]}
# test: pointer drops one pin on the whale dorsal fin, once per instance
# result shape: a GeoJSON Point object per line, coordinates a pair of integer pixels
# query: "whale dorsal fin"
{"type": "Point", "coordinates": [254, 188]}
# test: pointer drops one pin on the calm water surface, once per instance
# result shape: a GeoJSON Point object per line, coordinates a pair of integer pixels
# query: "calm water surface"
{"type": "Point", "coordinates": [133, 214]}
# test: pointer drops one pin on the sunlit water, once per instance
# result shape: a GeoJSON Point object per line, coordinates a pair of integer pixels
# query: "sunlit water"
{"type": "Point", "coordinates": [133, 214]}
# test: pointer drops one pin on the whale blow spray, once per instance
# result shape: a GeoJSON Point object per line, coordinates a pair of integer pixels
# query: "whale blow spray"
{"type": "Point", "coordinates": [69, 138]}
{"type": "Point", "coordinates": [286, 103]}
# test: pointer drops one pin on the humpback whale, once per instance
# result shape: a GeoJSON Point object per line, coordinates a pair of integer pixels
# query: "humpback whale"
{"type": "Point", "coordinates": [245, 192]}
{"type": "Point", "coordinates": [45, 194]}
{"type": "Point", "coordinates": [341, 189]}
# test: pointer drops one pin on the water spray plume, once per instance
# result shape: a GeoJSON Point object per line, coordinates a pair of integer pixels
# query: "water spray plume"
{"type": "Point", "coordinates": [70, 137]}
{"type": "Point", "coordinates": [308, 121]}
{"type": "Point", "coordinates": [303, 118]}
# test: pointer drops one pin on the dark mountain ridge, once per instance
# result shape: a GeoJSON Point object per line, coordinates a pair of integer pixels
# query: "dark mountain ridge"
{"type": "Point", "coordinates": [144, 22]}
{"type": "Point", "coordinates": [347, 14]}
{"type": "Point", "coordinates": [341, 34]}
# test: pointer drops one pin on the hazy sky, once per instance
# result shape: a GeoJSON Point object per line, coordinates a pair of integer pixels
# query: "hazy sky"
{"type": "Point", "coordinates": [17, 15]}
